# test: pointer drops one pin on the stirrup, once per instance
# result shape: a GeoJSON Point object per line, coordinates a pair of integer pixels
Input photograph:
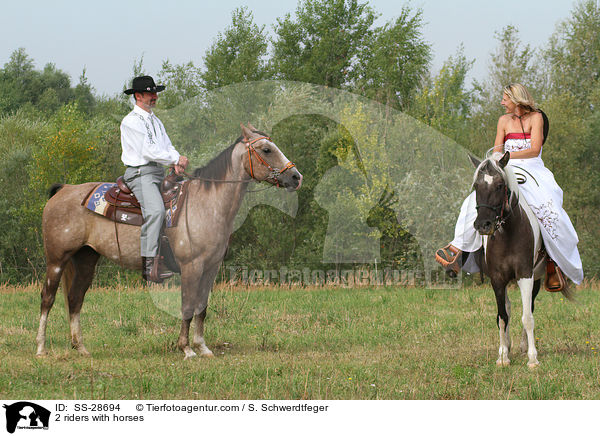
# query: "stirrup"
{"type": "Point", "coordinates": [448, 257]}
{"type": "Point", "coordinates": [555, 279]}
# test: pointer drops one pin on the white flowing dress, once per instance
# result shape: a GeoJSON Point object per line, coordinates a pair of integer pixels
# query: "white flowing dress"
{"type": "Point", "coordinates": [545, 198]}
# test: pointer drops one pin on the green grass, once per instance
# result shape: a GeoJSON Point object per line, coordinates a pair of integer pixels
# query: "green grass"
{"type": "Point", "coordinates": [361, 343]}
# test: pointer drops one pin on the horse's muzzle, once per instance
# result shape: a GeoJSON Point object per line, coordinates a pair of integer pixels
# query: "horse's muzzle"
{"type": "Point", "coordinates": [484, 228]}
{"type": "Point", "coordinates": [291, 179]}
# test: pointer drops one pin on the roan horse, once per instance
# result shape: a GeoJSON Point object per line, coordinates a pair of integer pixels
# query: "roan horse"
{"type": "Point", "coordinates": [75, 238]}
{"type": "Point", "coordinates": [512, 245]}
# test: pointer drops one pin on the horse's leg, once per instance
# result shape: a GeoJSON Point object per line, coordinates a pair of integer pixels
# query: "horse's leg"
{"type": "Point", "coordinates": [53, 273]}
{"type": "Point", "coordinates": [194, 300]}
{"type": "Point", "coordinates": [84, 267]}
{"type": "Point", "coordinates": [184, 339]}
{"type": "Point", "coordinates": [526, 286]}
{"type": "Point", "coordinates": [189, 291]}
{"type": "Point", "coordinates": [507, 306]}
{"type": "Point", "coordinates": [502, 320]}
{"type": "Point", "coordinates": [536, 290]}
{"type": "Point", "coordinates": [206, 284]}
{"type": "Point", "coordinates": [198, 340]}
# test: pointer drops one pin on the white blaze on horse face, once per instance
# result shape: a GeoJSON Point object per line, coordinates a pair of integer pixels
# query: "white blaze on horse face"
{"type": "Point", "coordinates": [275, 148]}
{"type": "Point", "coordinates": [488, 179]}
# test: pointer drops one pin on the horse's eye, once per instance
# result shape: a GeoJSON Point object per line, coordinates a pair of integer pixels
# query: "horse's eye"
{"type": "Point", "coordinates": [499, 187]}
{"type": "Point", "coordinates": [266, 150]}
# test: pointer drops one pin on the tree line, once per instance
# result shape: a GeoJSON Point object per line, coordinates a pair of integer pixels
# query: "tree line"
{"type": "Point", "coordinates": [52, 130]}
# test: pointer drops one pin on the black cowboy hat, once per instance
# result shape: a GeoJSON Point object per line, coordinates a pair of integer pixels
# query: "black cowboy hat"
{"type": "Point", "coordinates": [144, 84]}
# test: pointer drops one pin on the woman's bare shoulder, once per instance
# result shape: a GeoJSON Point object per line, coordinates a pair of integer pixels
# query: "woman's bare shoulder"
{"type": "Point", "coordinates": [537, 116]}
{"type": "Point", "coordinates": [504, 119]}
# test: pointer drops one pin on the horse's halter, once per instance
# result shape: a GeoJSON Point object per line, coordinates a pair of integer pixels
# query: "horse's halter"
{"type": "Point", "coordinates": [500, 218]}
{"type": "Point", "coordinates": [274, 172]}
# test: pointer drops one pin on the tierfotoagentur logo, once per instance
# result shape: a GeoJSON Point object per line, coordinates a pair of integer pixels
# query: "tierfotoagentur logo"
{"type": "Point", "coordinates": [380, 159]}
{"type": "Point", "coordinates": [26, 416]}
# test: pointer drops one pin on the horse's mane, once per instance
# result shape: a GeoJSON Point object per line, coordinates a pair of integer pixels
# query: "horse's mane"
{"type": "Point", "coordinates": [219, 166]}
{"type": "Point", "coordinates": [507, 173]}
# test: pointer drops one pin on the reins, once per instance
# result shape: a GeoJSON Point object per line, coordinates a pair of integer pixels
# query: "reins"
{"type": "Point", "coordinates": [251, 150]}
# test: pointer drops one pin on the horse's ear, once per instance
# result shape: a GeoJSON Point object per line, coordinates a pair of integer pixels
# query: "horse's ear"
{"type": "Point", "coordinates": [251, 127]}
{"type": "Point", "coordinates": [504, 159]}
{"type": "Point", "coordinates": [476, 162]}
{"type": "Point", "coordinates": [246, 132]}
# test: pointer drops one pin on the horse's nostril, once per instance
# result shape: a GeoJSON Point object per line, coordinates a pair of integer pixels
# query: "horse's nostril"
{"type": "Point", "coordinates": [295, 177]}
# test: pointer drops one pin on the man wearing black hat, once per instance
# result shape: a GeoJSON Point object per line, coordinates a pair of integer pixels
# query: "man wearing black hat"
{"type": "Point", "coordinates": [146, 150]}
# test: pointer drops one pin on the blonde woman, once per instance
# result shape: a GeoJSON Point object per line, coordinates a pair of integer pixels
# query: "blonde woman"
{"type": "Point", "coordinates": [522, 132]}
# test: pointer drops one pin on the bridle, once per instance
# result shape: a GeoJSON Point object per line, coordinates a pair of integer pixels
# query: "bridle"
{"type": "Point", "coordinates": [500, 218]}
{"type": "Point", "coordinates": [274, 172]}
{"type": "Point", "coordinates": [273, 175]}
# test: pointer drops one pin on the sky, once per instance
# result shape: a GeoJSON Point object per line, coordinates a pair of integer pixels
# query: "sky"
{"type": "Point", "coordinates": [107, 37]}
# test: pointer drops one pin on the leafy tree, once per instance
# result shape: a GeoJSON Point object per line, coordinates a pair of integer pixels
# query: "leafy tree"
{"type": "Point", "coordinates": [19, 135]}
{"type": "Point", "coordinates": [574, 55]}
{"type": "Point", "coordinates": [322, 43]}
{"type": "Point", "coordinates": [84, 96]}
{"type": "Point", "coordinates": [21, 86]}
{"type": "Point", "coordinates": [182, 83]}
{"type": "Point", "coordinates": [237, 55]}
{"type": "Point", "coordinates": [395, 62]}
{"type": "Point", "coordinates": [444, 103]}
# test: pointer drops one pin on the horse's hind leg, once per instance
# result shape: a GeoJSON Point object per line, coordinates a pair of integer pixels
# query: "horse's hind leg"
{"type": "Point", "coordinates": [502, 321]}
{"type": "Point", "coordinates": [53, 273]}
{"type": "Point", "coordinates": [526, 286]}
{"type": "Point", "coordinates": [83, 269]}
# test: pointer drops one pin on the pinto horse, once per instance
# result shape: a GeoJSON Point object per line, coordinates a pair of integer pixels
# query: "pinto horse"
{"type": "Point", "coordinates": [512, 248]}
{"type": "Point", "coordinates": [75, 238]}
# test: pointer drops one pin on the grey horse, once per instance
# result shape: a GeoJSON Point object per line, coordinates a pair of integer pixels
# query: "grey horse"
{"type": "Point", "coordinates": [75, 238]}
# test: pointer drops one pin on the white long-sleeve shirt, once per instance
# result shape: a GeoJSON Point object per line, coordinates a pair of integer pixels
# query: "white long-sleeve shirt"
{"type": "Point", "coordinates": [144, 139]}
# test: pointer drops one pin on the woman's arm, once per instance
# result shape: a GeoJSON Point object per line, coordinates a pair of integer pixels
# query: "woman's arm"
{"type": "Point", "coordinates": [537, 125]}
{"type": "Point", "coordinates": [499, 141]}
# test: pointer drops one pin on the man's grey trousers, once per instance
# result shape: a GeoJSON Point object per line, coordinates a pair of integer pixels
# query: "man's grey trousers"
{"type": "Point", "coordinates": [145, 182]}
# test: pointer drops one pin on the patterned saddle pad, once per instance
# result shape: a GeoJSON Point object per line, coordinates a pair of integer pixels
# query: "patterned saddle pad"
{"type": "Point", "coordinates": [110, 201]}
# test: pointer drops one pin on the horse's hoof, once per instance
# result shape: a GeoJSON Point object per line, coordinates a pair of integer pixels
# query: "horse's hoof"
{"type": "Point", "coordinates": [189, 354]}
{"type": "Point", "coordinates": [41, 354]}
{"type": "Point", "coordinates": [533, 365]}
{"type": "Point", "coordinates": [207, 353]}
{"type": "Point", "coordinates": [83, 351]}
{"type": "Point", "coordinates": [503, 362]}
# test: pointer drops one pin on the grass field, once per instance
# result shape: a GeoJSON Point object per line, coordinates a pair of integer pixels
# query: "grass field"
{"type": "Point", "coordinates": [324, 343]}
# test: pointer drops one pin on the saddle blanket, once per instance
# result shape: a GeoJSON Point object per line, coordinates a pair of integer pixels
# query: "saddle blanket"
{"type": "Point", "coordinates": [127, 212]}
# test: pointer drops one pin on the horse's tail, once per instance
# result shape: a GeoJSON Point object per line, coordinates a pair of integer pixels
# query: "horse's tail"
{"type": "Point", "coordinates": [54, 189]}
{"type": "Point", "coordinates": [568, 292]}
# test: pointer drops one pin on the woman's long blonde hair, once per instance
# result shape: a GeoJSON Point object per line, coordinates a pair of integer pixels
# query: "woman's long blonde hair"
{"type": "Point", "coordinates": [519, 95]}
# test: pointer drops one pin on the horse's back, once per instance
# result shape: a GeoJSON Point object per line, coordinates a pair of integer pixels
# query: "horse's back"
{"type": "Point", "coordinates": [65, 220]}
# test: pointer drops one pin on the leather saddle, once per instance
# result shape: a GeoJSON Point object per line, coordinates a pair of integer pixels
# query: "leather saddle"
{"type": "Point", "coordinates": [117, 202]}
